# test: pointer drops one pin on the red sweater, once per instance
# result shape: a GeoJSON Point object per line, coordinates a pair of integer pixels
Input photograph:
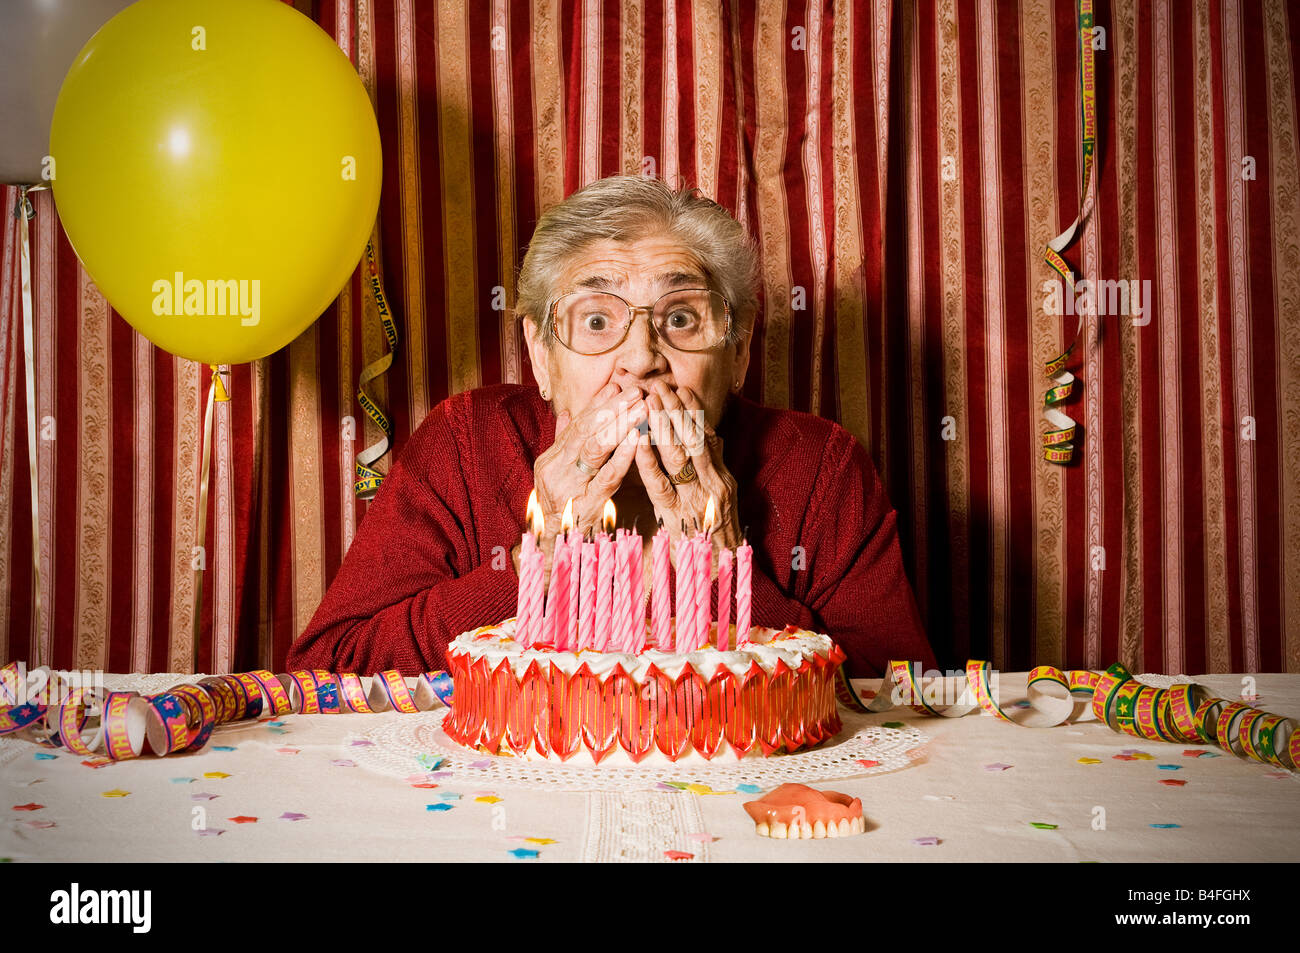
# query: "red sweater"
{"type": "Point", "coordinates": [420, 569]}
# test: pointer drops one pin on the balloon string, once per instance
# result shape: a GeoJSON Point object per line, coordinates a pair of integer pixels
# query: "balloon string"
{"type": "Point", "coordinates": [25, 211]}
{"type": "Point", "coordinates": [216, 392]}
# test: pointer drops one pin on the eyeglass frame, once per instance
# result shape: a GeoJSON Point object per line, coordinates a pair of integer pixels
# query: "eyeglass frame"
{"type": "Point", "coordinates": [632, 311]}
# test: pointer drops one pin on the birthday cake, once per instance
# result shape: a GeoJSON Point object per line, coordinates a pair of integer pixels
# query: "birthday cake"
{"type": "Point", "coordinates": [772, 693]}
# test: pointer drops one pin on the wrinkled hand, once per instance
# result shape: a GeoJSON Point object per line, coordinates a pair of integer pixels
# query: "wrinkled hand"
{"type": "Point", "coordinates": [680, 433]}
{"type": "Point", "coordinates": [603, 436]}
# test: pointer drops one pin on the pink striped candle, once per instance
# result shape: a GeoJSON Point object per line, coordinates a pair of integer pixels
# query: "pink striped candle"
{"type": "Point", "coordinates": [636, 584]}
{"type": "Point", "coordinates": [724, 598]}
{"type": "Point", "coordinates": [587, 597]}
{"type": "Point", "coordinates": [622, 595]}
{"type": "Point", "coordinates": [575, 563]}
{"type": "Point", "coordinates": [685, 621]}
{"type": "Point", "coordinates": [662, 614]}
{"type": "Point", "coordinates": [604, 592]}
{"type": "Point", "coordinates": [744, 576]}
{"type": "Point", "coordinates": [703, 588]}
{"type": "Point", "coordinates": [526, 547]}
{"type": "Point", "coordinates": [557, 595]}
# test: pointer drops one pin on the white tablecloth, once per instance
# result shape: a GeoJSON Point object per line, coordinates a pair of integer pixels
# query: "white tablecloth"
{"type": "Point", "coordinates": [1228, 810]}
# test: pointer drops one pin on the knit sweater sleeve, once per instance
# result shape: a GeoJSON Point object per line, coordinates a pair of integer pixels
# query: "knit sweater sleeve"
{"type": "Point", "coordinates": [410, 582]}
{"type": "Point", "coordinates": [859, 591]}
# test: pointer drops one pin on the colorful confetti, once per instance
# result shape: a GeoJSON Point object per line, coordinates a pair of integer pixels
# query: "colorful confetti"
{"type": "Point", "coordinates": [892, 724]}
{"type": "Point", "coordinates": [997, 766]}
{"type": "Point", "coordinates": [1089, 761]}
{"type": "Point", "coordinates": [97, 762]}
{"type": "Point", "coordinates": [210, 831]}
{"type": "Point", "coordinates": [540, 840]}
{"type": "Point", "coordinates": [480, 764]}
{"type": "Point", "coordinates": [488, 799]}
{"type": "Point", "coordinates": [523, 853]}
{"type": "Point", "coordinates": [29, 807]}
{"type": "Point", "coordinates": [925, 841]}
{"type": "Point", "coordinates": [1143, 756]}
{"type": "Point", "coordinates": [1194, 753]}
{"type": "Point", "coordinates": [699, 789]}
{"type": "Point", "coordinates": [215, 774]}
{"type": "Point", "coordinates": [223, 748]}
{"type": "Point", "coordinates": [343, 763]}
{"type": "Point", "coordinates": [1170, 767]}
{"type": "Point", "coordinates": [1123, 757]}
{"type": "Point", "coordinates": [427, 785]}
{"type": "Point", "coordinates": [287, 750]}
{"type": "Point", "coordinates": [41, 825]}
{"type": "Point", "coordinates": [204, 796]}
{"type": "Point", "coordinates": [430, 762]}
{"type": "Point", "coordinates": [1042, 825]}
{"type": "Point", "coordinates": [437, 807]}
{"type": "Point", "coordinates": [45, 756]}
{"type": "Point", "coordinates": [278, 731]}
{"type": "Point", "coordinates": [361, 742]}
{"type": "Point", "coordinates": [242, 819]}
{"type": "Point", "coordinates": [291, 816]}
{"type": "Point", "coordinates": [748, 789]}
{"type": "Point", "coordinates": [276, 724]}
{"type": "Point", "coordinates": [867, 762]}
{"type": "Point", "coordinates": [678, 855]}
{"type": "Point", "coordinates": [448, 796]}
{"type": "Point", "coordinates": [116, 792]}
{"type": "Point", "coordinates": [1173, 782]}
{"type": "Point", "coordinates": [1164, 826]}
{"type": "Point", "coordinates": [181, 780]}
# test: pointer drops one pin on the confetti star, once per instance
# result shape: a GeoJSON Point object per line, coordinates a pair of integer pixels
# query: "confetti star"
{"type": "Point", "coordinates": [275, 724]}
{"type": "Point", "coordinates": [287, 750]}
{"type": "Point", "coordinates": [1089, 761]}
{"type": "Point", "coordinates": [1173, 782]}
{"type": "Point", "coordinates": [29, 807]}
{"type": "Point", "coordinates": [1194, 753]}
{"type": "Point", "coordinates": [448, 796]}
{"type": "Point", "coordinates": [291, 816]}
{"type": "Point", "coordinates": [892, 724]}
{"type": "Point", "coordinates": [223, 748]}
{"type": "Point", "coordinates": [242, 819]}
{"type": "Point", "coordinates": [343, 763]}
{"type": "Point", "coordinates": [1123, 757]}
{"type": "Point", "coordinates": [361, 742]}
{"type": "Point", "coordinates": [523, 853]}
{"type": "Point", "coordinates": [41, 825]}
{"type": "Point", "coordinates": [437, 807]}
{"type": "Point", "coordinates": [1143, 756]}
{"type": "Point", "coordinates": [45, 756]}
{"type": "Point", "coordinates": [1042, 825]}
{"type": "Point", "coordinates": [867, 762]}
{"type": "Point", "coordinates": [1170, 767]}
{"type": "Point", "coordinates": [488, 799]}
{"type": "Point", "coordinates": [699, 788]}
{"type": "Point", "coordinates": [204, 796]}
{"type": "Point", "coordinates": [97, 762]}
{"type": "Point", "coordinates": [116, 792]}
{"type": "Point", "coordinates": [181, 780]}
{"type": "Point", "coordinates": [424, 784]}
{"type": "Point", "coordinates": [997, 766]}
{"type": "Point", "coordinates": [215, 774]}
{"type": "Point", "coordinates": [540, 840]}
{"type": "Point", "coordinates": [480, 764]}
{"type": "Point", "coordinates": [1164, 826]}
{"type": "Point", "coordinates": [678, 855]}
{"type": "Point", "coordinates": [925, 841]}
{"type": "Point", "coordinates": [278, 731]}
{"type": "Point", "coordinates": [210, 831]}
{"type": "Point", "coordinates": [748, 789]}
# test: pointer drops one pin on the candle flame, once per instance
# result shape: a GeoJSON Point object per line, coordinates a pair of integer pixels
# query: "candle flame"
{"type": "Point", "coordinates": [566, 521]}
{"type": "Point", "coordinates": [610, 516]}
{"type": "Point", "coordinates": [534, 516]}
{"type": "Point", "coordinates": [710, 515]}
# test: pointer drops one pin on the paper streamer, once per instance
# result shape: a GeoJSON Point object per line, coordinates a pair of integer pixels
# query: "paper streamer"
{"type": "Point", "coordinates": [368, 479]}
{"type": "Point", "coordinates": [1181, 714]}
{"type": "Point", "coordinates": [105, 726]}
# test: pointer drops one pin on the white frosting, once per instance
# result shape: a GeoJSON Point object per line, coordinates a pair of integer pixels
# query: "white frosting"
{"type": "Point", "coordinates": [496, 642]}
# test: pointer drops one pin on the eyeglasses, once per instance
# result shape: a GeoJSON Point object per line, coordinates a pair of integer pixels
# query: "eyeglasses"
{"type": "Point", "coordinates": [594, 322]}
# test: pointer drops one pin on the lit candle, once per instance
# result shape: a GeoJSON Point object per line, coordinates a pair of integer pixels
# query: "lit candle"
{"type": "Point", "coordinates": [724, 598]}
{"type": "Point", "coordinates": [557, 595]}
{"type": "Point", "coordinates": [622, 594]}
{"type": "Point", "coordinates": [744, 572]}
{"type": "Point", "coordinates": [528, 624]}
{"type": "Point", "coordinates": [685, 621]}
{"type": "Point", "coordinates": [605, 581]}
{"type": "Point", "coordinates": [662, 609]}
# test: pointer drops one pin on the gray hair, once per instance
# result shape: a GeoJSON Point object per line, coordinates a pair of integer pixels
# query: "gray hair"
{"type": "Point", "coordinates": [624, 208]}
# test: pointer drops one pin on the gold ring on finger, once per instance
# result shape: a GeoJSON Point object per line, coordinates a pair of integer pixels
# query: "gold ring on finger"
{"type": "Point", "coordinates": [586, 467]}
{"type": "Point", "coordinates": [685, 475]}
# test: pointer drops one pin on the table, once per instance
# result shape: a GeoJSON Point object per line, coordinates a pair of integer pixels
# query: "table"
{"type": "Point", "coordinates": [1228, 809]}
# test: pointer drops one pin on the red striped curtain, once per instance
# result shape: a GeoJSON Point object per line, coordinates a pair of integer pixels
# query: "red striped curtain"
{"type": "Point", "coordinates": [902, 167]}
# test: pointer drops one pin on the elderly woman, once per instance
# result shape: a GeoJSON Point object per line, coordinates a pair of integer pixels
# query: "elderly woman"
{"type": "Point", "coordinates": [637, 306]}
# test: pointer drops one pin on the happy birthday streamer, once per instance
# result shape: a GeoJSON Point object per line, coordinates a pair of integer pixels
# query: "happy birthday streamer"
{"type": "Point", "coordinates": [1181, 714]}
{"type": "Point", "coordinates": [1058, 442]}
{"type": "Point", "coordinates": [368, 479]}
{"type": "Point", "coordinates": [105, 726]}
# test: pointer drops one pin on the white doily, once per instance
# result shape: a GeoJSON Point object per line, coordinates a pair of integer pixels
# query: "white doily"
{"type": "Point", "coordinates": [399, 743]}
{"type": "Point", "coordinates": [641, 827]}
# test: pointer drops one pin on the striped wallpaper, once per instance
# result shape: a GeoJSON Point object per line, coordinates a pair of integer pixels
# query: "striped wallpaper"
{"type": "Point", "coordinates": [902, 167]}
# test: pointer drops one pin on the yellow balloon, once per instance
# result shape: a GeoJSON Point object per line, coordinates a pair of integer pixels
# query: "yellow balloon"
{"type": "Point", "coordinates": [217, 170]}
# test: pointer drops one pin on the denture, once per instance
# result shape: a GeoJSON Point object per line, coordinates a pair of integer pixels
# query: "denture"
{"type": "Point", "coordinates": [796, 811]}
